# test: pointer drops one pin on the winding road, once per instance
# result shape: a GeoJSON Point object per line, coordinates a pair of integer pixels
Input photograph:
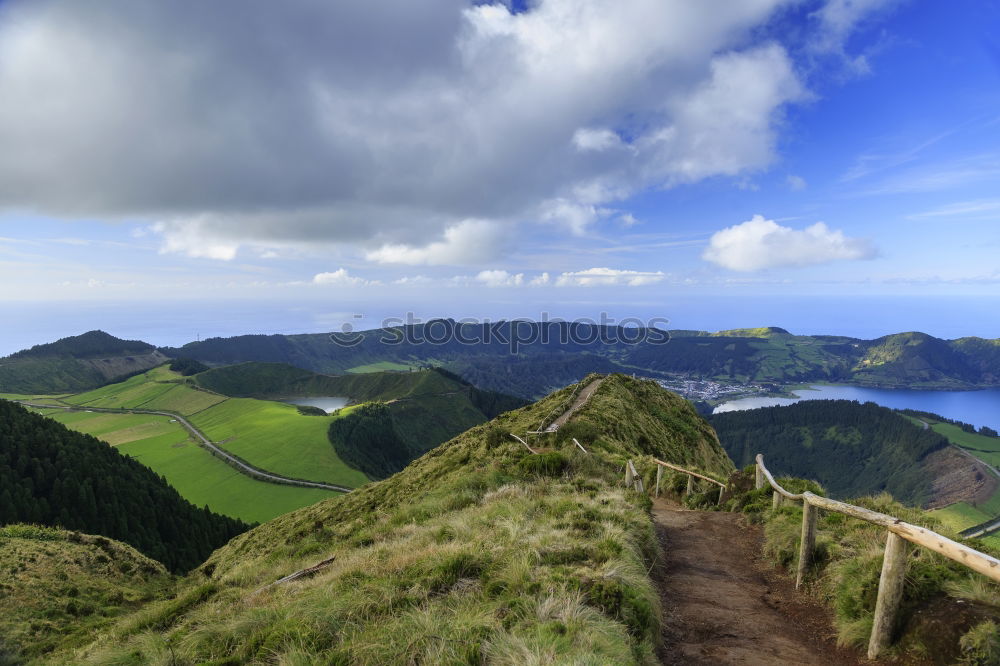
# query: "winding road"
{"type": "Point", "coordinates": [241, 466]}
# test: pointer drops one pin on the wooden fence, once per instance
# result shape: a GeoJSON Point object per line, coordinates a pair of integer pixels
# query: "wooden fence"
{"type": "Point", "coordinates": [634, 480]}
{"type": "Point", "coordinates": [890, 589]}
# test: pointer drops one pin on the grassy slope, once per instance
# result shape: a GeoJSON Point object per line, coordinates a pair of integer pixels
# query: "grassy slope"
{"type": "Point", "coordinates": [473, 553]}
{"type": "Point", "coordinates": [276, 437]}
{"type": "Point", "coordinates": [277, 379]}
{"type": "Point", "coordinates": [848, 566]}
{"type": "Point", "coordinates": [58, 588]}
{"type": "Point", "coordinates": [198, 476]}
{"type": "Point", "coordinates": [270, 435]}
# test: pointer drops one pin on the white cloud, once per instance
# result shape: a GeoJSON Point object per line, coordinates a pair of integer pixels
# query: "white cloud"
{"type": "Point", "coordinates": [498, 278]}
{"type": "Point", "coordinates": [341, 278]}
{"type": "Point", "coordinates": [977, 209]}
{"type": "Point", "coordinates": [188, 237]}
{"type": "Point", "coordinates": [603, 277]}
{"type": "Point", "coordinates": [796, 183]}
{"type": "Point", "coordinates": [473, 113]}
{"type": "Point", "coordinates": [838, 18]}
{"type": "Point", "coordinates": [759, 243]}
{"type": "Point", "coordinates": [540, 280]}
{"type": "Point", "coordinates": [596, 139]}
{"type": "Point", "coordinates": [469, 242]}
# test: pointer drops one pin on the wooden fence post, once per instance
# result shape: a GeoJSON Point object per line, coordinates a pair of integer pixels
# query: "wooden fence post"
{"type": "Point", "coordinates": [776, 501]}
{"type": "Point", "coordinates": [808, 541]}
{"type": "Point", "coordinates": [722, 489]}
{"type": "Point", "coordinates": [629, 480]}
{"type": "Point", "coordinates": [690, 488]}
{"type": "Point", "coordinates": [890, 592]}
{"type": "Point", "coordinates": [637, 479]}
{"type": "Point", "coordinates": [659, 475]}
{"type": "Point", "coordinates": [759, 482]}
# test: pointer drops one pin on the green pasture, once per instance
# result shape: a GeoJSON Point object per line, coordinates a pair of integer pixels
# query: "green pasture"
{"type": "Point", "coordinates": [158, 388]}
{"type": "Point", "coordinates": [985, 448]}
{"type": "Point", "coordinates": [382, 366]}
{"type": "Point", "coordinates": [197, 475]}
{"type": "Point", "coordinates": [275, 437]}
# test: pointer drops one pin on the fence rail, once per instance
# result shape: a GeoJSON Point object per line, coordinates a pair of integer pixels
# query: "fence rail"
{"type": "Point", "coordinates": [890, 590]}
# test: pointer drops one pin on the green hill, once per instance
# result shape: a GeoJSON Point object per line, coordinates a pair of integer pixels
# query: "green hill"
{"type": "Point", "coordinates": [61, 588]}
{"type": "Point", "coordinates": [75, 364]}
{"type": "Point", "coordinates": [416, 411]}
{"type": "Point", "coordinates": [478, 552]}
{"type": "Point", "coordinates": [53, 476]}
{"type": "Point", "coordinates": [553, 354]}
{"type": "Point", "coordinates": [851, 449]}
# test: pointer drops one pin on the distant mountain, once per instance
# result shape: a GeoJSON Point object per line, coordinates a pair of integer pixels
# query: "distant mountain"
{"type": "Point", "coordinates": [75, 364]}
{"type": "Point", "coordinates": [852, 450]}
{"type": "Point", "coordinates": [529, 359]}
{"type": "Point", "coordinates": [50, 475]}
{"type": "Point", "coordinates": [554, 354]}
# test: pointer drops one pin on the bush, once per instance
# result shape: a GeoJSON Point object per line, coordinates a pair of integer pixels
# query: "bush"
{"type": "Point", "coordinates": [981, 645]}
{"type": "Point", "coordinates": [544, 464]}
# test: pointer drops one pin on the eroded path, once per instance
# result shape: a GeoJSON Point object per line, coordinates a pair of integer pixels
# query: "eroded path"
{"type": "Point", "coordinates": [580, 401]}
{"type": "Point", "coordinates": [723, 604]}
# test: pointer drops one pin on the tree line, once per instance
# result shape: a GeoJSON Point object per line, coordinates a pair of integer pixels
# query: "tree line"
{"type": "Point", "coordinates": [51, 475]}
{"type": "Point", "coordinates": [851, 449]}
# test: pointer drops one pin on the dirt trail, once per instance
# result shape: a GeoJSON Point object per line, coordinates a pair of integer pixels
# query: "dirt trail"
{"type": "Point", "coordinates": [723, 604]}
{"type": "Point", "coordinates": [580, 401]}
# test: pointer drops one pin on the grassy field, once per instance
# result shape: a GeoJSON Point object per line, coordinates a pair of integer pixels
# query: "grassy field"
{"type": "Point", "coordinates": [985, 448]}
{"type": "Point", "coordinates": [197, 475]}
{"type": "Point", "coordinates": [382, 366]}
{"type": "Point", "coordinates": [960, 515]}
{"type": "Point", "coordinates": [276, 437]}
{"type": "Point", "coordinates": [157, 389]}
{"type": "Point", "coordinates": [270, 435]}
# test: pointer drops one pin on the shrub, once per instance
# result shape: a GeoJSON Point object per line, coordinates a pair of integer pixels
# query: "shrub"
{"type": "Point", "coordinates": [551, 463]}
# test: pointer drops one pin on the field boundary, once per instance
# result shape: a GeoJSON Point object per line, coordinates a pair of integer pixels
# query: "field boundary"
{"type": "Point", "coordinates": [203, 441]}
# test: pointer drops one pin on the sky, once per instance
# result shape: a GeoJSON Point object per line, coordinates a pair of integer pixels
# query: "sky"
{"type": "Point", "coordinates": [178, 170]}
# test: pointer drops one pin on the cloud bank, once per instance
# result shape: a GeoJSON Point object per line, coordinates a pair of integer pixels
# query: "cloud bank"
{"type": "Point", "coordinates": [388, 125]}
{"type": "Point", "coordinates": [759, 244]}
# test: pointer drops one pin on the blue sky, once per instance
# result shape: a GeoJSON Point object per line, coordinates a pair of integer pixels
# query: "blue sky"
{"type": "Point", "coordinates": [827, 166]}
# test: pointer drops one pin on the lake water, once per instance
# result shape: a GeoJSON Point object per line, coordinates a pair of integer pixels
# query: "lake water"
{"type": "Point", "coordinates": [976, 407]}
{"type": "Point", "coordinates": [328, 405]}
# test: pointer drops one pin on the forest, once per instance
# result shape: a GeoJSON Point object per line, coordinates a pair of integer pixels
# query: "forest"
{"type": "Point", "coordinates": [53, 476]}
{"type": "Point", "coordinates": [851, 449]}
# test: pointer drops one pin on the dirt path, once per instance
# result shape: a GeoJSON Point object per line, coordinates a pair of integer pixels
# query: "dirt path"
{"type": "Point", "coordinates": [580, 401]}
{"type": "Point", "coordinates": [723, 604]}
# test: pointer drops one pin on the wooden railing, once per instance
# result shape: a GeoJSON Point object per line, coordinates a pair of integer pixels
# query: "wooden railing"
{"type": "Point", "coordinates": [890, 589]}
{"type": "Point", "coordinates": [633, 479]}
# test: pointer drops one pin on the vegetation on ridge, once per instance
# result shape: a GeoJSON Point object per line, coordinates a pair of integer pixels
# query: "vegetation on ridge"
{"type": "Point", "coordinates": [470, 554]}
{"type": "Point", "coordinates": [944, 603]}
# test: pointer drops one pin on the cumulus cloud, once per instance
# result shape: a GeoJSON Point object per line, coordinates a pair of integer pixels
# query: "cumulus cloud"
{"type": "Point", "coordinates": [469, 242]}
{"type": "Point", "coordinates": [377, 124]}
{"type": "Point", "coordinates": [341, 278]}
{"type": "Point", "coordinates": [760, 243]}
{"type": "Point", "coordinates": [499, 278]}
{"type": "Point", "coordinates": [605, 277]}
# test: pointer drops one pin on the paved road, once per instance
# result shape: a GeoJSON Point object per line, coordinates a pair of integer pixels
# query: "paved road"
{"type": "Point", "coordinates": [243, 467]}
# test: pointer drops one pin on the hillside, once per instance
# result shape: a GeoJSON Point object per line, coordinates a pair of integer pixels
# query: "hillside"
{"type": "Point", "coordinates": [75, 364]}
{"type": "Point", "coordinates": [851, 449]}
{"type": "Point", "coordinates": [549, 355]}
{"type": "Point", "coordinates": [416, 411]}
{"type": "Point", "coordinates": [53, 476]}
{"type": "Point", "coordinates": [65, 587]}
{"type": "Point", "coordinates": [478, 551]}
{"type": "Point", "coordinates": [276, 380]}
